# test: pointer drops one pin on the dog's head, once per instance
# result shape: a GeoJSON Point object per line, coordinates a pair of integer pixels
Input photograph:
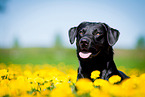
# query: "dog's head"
{"type": "Point", "coordinates": [92, 38]}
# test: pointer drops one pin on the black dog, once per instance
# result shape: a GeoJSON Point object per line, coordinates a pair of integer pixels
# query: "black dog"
{"type": "Point", "coordinates": [94, 49]}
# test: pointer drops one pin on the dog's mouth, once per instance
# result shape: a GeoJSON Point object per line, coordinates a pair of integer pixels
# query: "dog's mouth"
{"type": "Point", "coordinates": [85, 55]}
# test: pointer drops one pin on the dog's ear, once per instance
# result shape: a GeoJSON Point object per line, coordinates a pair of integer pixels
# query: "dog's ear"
{"type": "Point", "coordinates": [72, 34]}
{"type": "Point", "coordinates": [112, 34]}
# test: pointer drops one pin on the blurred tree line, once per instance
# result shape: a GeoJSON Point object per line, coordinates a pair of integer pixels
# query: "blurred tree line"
{"type": "Point", "coordinates": [140, 43]}
{"type": "Point", "coordinates": [57, 43]}
{"type": "Point", "coordinates": [16, 43]}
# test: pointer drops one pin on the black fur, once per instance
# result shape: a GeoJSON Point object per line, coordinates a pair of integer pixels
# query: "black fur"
{"type": "Point", "coordinates": [97, 38]}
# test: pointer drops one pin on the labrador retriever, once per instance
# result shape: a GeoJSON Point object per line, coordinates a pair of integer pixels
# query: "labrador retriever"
{"type": "Point", "coordinates": [94, 41]}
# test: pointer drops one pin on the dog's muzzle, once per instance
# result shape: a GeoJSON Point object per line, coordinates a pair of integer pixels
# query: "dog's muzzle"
{"type": "Point", "coordinates": [84, 43]}
{"type": "Point", "coordinates": [85, 52]}
{"type": "Point", "coordinates": [84, 46]}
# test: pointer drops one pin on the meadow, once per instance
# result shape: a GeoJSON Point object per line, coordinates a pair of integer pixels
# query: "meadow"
{"type": "Point", "coordinates": [129, 59]}
{"type": "Point", "coordinates": [36, 72]}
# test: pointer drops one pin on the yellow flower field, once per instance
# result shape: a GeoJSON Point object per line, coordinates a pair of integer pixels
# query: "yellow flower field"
{"type": "Point", "coordinates": [45, 80]}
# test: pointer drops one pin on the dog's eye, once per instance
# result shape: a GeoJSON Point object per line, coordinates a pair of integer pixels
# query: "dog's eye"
{"type": "Point", "coordinates": [96, 33]}
{"type": "Point", "coordinates": [81, 32]}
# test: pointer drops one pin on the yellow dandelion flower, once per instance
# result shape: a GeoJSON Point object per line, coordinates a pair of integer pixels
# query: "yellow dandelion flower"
{"type": "Point", "coordinates": [21, 78]}
{"type": "Point", "coordinates": [3, 72]}
{"type": "Point", "coordinates": [116, 91]}
{"type": "Point", "coordinates": [34, 85]}
{"type": "Point", "coordinates": [13, 92]}
{"type": "Point", "coordinates": [16, 80]}
{"type": "Point", "coordinates": [4, 90]}
{"type": "Point", "coordinates": [39, 80]}
{"type": "Point", "coordinates": [142, 76]}
{"type": "Point", "coordinates": [84, 85]}
{"type": "Point", "coordinates": [30, 80]}
{"type": "Point", "coordinates": [27, 73]}
{"type": "Point", "coordinates": [5, 82]}
{"type": "Point", "coordinates": [114, 79]}
{"type": "Point", "coordinates": [46, 85]}
{"type": "Point", "coordinates": [98, 93]}
{"type": "Point", "coordinates": [62, 91]}
{"type": "Point", "coordinates": [129, 84]}
{"type": "Point", "coordinates": [100, 82]}
{"type": "Point", "coordinates": [45, 92]}
{"type": "Point", "coordinates": [95, 74]}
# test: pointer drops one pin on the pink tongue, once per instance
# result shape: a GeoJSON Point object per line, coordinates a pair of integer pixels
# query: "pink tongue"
{"type": "Point", "coordinates": [84, 55]}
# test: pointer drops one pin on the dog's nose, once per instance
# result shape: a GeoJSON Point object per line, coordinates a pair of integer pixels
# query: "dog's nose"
{"type": "Point", "coordinates": [84, 42]}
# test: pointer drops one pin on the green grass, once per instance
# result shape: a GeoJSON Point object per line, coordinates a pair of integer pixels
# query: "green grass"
{"type": "Point", "coordinates": [127, 58]}
{"type": "Point", "coordinates": [130, 59]}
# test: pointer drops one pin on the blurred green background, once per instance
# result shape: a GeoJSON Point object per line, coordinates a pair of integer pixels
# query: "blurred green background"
{"type": "Point", "coordinates": [129, 59]}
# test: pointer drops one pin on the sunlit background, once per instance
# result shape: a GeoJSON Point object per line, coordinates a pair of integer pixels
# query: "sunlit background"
{"type": "Point", "coordinates": [36, 23]}
{"type": "Point", "coordinates": [36, 31]}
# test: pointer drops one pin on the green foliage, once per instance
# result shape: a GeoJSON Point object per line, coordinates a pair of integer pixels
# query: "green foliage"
{"type": "Point", "coordinates": [38, 56]}
{"type": "Point", "coordinates": [54, 56]}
